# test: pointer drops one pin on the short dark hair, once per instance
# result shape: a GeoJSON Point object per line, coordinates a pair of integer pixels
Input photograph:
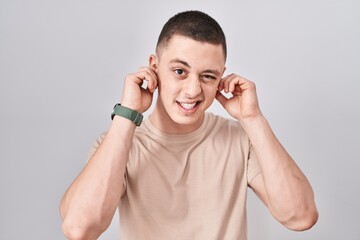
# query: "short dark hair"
{"type": "Point", "coordinates": [193, 24]}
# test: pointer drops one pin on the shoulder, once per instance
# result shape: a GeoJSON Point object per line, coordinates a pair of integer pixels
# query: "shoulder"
{"type": "Point", "coordinates": [226, 129]}
{"type": "Point", "coordinates": [220, 123]}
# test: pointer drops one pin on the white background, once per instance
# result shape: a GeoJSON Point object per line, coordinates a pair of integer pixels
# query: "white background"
{"type": "Point", "coordinates": [62, 64]}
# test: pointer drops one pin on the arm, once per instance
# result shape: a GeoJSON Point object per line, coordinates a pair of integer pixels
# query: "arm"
{"type": "Point", "coordinates": [281, 186]}
{"type": "Point", "coordinates": [89, 204]}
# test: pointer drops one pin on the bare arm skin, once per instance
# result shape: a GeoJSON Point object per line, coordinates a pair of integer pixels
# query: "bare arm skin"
{"type": "Point", "coordinates": [89, 204]}
{"type": "Point", "coordinates": [281, 186]}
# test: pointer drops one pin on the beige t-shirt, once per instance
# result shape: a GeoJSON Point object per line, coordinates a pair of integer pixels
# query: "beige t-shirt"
{"type": "Point", "coordinates": [190, 186]}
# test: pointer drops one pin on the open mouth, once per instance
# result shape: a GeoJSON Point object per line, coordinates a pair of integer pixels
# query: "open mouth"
{"type": "Point", "coordinates": [189, 106]}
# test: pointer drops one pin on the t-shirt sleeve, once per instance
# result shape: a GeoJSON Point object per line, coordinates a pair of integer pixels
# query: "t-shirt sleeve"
{"type": "Point", "coordinates": [253, 167]}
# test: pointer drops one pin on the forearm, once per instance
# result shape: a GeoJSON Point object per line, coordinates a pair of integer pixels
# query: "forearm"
{"type": "Point", "coordinates": [289, 195]}
{"type": "Point", "coordinates": [90, 203]}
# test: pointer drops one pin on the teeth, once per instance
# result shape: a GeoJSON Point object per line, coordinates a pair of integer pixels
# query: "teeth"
{"type": "Point", "coordinates": [188, 106]}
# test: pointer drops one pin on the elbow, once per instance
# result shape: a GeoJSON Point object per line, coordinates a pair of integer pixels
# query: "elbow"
{"type": "Point", "coordinates": [76, 232]}
{"type": "Point", "coordinates": [70, 229]}
{"type": "Point", "coordinates": [302, 220]}
{"type": "Point", "coordinates": [78, 225]}
{"type": "Point", "coordinates": [72, 233]}
{"type": "Point", "coordinates": [79, 231]}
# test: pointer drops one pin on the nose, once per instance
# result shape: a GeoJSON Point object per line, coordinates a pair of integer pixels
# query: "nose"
{"type": "Point", "coordinates": [192, 87]}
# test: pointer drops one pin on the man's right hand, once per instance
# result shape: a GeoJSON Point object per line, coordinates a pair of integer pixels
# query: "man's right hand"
{"type": "Point", "coordinates": [134, 96]}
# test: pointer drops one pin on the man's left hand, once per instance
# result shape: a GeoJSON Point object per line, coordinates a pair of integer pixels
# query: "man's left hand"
{"type": "Point", "coordinates": [243, 103]}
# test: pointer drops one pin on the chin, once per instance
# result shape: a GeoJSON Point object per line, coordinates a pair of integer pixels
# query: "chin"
{"type": "Point", "coordinates": [192, 119]}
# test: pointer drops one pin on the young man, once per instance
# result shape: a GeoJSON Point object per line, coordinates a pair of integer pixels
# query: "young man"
{"type": "Point", "coordinates": [184, 173]}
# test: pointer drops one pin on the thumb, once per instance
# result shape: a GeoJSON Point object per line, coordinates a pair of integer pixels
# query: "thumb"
{"type": "Point", "coordinates": [221, 98]}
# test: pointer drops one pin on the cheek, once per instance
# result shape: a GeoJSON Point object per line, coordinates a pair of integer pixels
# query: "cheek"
{"type": "Point", "coordinates": [168, 86]}
{"type": "Point", "coordinates": [210, 90]}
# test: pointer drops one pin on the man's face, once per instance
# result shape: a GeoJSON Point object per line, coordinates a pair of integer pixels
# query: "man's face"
{"type": "Point", "coordinates": [189, 73]}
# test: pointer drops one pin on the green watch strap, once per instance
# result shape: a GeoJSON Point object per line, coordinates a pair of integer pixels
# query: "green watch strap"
{"type": "Point", "coordinates": [128, 113]}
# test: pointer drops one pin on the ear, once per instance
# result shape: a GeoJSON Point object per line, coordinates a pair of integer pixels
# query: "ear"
{"type": "Point", "coordinates": [224, 71]}
{"type": "Point", "coordinates": [222, 76]}
{"type": "Point", "coordinates": [153, 61]}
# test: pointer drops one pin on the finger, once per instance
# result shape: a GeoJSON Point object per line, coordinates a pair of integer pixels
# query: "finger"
{"type": "Point", "coordinates": [145, 74]}
{"type": "Point", "coordinates": [226, 82]}
{"type": "Point", "coordinates": [142, 76]}
{"type": "Point", "coordinates": [152, 82]}
{"type": "Point", "coordinates": [235, 84]}
{"type": "Point", "coordinates": [244, 84]}
{"type": "Point", "coordinates": [221, 98]}
{"type": "Point", "coordinates": [221, 84]}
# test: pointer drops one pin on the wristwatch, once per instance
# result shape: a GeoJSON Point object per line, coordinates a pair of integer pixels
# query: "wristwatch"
{"type": "Point", "coordinates": [128, 113]}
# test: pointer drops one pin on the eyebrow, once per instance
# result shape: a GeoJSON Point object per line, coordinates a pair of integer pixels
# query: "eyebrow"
{"type": "Point", "coordinates": [215, 72]}
{"type": "Point", "coordinates": [178, 60]}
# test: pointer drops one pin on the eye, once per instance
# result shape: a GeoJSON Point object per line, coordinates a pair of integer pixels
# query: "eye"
{"type": "Point", "coordinates": [179, 71]}
{"type": "Point", "coordinates": [209, 77]}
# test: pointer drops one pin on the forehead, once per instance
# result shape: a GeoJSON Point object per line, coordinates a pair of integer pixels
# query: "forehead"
{"type": "Point", "coordinates": [192, 51]}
